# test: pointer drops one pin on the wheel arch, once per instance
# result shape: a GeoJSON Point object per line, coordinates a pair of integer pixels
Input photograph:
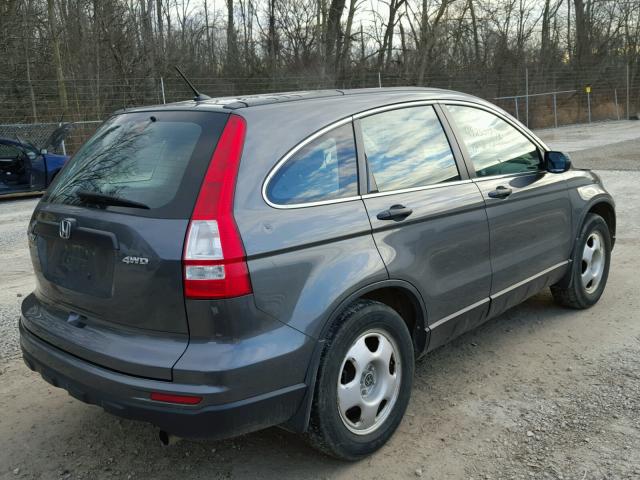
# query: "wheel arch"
{"type": "Point", "coordinates": [407, 302]}
{"type": "Point", "coordinates": [606, 210]}
{"type": "Point", "coordinates": [602, 205]}
{"type": "Point", "coordinates": [564, 291]}
{"type": "Point", "coordinates": [380, 291]}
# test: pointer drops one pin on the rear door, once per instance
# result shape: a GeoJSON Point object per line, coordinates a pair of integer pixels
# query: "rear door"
{"type": "Point", "coordinates": [428, 218]}
{"type": "Point", "coordinates": [109, 277]}
{"type": "Point", "coordinates": [528, 208]}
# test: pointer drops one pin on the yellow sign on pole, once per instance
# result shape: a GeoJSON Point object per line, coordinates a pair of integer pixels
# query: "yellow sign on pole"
{"type": "Point", "coordinates": [587, 89]}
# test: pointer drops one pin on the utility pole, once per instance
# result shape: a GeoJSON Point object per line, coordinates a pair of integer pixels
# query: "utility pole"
{"type": "Point", "coordinates": [628, 111]}
{"type": "Point", "coordinates": [526, 87]}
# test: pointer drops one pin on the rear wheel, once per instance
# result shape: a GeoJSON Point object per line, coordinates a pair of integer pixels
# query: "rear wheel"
{"type": "Point", "coordinates": [589, 268]}
{"type": "Point", "coordinates": [364, 382]}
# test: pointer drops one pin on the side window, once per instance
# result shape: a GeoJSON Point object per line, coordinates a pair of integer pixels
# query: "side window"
{"type": "Point", "coordinates": [495, 147]}
{"type": "Point", "coordinates": [407, 148]}
{"type": "Point", "coordinates": [324, 169]}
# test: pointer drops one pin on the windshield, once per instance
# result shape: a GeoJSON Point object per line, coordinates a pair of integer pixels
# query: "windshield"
{"type": "Point", "coordinates": [144, 158]}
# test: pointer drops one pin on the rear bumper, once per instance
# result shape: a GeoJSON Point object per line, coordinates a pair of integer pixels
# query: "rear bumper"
{"type": "Point", "coordinates": [129, 396]}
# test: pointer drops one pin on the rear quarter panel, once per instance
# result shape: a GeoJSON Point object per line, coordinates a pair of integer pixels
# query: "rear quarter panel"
{"type": "Point", "coordinates": [305, 261]}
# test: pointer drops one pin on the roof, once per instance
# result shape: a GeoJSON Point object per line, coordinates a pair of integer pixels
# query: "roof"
{"type": "Point", "coordinates": [374, 95]}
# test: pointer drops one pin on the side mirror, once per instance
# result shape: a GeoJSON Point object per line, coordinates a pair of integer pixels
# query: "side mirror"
{"type": "Point", "coordinates": [44, 151]}
{"type": "Point", "coordinates": [556, 162]}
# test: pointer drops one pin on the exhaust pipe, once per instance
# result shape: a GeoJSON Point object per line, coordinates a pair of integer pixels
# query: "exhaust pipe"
{"type": "Point", "coordinates": [167, 439]}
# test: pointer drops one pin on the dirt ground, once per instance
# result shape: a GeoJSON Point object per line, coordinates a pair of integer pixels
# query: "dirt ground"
{"type": "Point", "coordinates": [539, 392]}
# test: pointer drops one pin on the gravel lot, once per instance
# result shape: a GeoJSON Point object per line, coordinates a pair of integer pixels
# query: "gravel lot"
{"type": "Point", "coordinates": [16, 278]}
{"type": "Point", "coordinates": [539, 392]}
{"type": "Point", "coordinates": [607, 145]}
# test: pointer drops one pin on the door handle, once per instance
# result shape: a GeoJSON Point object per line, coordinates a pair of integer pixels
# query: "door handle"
{"type": "Point", "coordinates": [500, 192]}
{"type": "Point", "coordinates": [395, 212]}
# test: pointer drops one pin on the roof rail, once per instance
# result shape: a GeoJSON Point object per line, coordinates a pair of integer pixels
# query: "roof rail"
{"type": "Point", "coordinates": [266, 99]}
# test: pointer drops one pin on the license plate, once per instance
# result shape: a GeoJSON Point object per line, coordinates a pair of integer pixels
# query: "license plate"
{"type": "Point", "coordinates": [79, 267]}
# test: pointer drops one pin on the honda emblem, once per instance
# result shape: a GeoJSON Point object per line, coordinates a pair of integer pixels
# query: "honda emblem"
{"type": "Point", "coordinates": [65, 228]}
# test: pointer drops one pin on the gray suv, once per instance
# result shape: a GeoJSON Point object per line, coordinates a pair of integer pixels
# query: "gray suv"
{"type": "Point", "coordinates": [219, 266]}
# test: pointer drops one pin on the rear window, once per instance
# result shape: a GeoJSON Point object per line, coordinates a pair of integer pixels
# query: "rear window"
{"type": "Point", "coordinates": [154, 158]}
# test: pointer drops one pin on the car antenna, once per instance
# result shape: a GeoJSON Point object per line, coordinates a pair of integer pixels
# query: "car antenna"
{"type": "Point", "coordinates": [198, 96]}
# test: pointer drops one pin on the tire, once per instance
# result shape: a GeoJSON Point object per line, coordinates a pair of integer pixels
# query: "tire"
{"type": "Point", "coordinates": [589, 271]}
{"type": "Point", "coordinates": [354, 360]}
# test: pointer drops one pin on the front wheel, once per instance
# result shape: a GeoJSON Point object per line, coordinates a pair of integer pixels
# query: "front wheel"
{"type": "Point", "coordinates": [364, 382]}
{"type": "Point", "coordinates": [589, 267]}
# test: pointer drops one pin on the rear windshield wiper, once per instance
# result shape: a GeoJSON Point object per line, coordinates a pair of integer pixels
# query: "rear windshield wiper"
{"type": "Point", "coordinates": [103, 199]}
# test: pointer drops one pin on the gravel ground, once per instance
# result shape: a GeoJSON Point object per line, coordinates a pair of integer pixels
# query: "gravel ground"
{"type": "Point", "coordinates": [606, 145]}
{"type": "Point", "coordinates": [617, 156]}
{"type": "Point", "coordinates": [539, 392]}
{"type": "Point", "coordinates": [15, 269]}
{"type": "Point", "coordinates": [585, 136]}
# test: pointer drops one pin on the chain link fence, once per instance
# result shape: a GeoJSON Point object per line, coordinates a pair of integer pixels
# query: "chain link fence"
{"type": "Point", "coordinates": [37, 134]}
{"type": "Point", "coordinates": [566, 107]}
{"type": "Point", "coordinates": [34, 133]}
{"type": "Point", "coordinates": [537, 99]}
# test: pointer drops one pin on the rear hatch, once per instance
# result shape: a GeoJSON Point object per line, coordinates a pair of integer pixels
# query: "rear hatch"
{"type": "Point", "coordinates": [57, 137]}
{"type": "Point", "coordinates": [107, 240]}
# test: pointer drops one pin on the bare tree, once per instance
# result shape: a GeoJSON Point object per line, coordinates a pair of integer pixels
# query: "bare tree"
{"type": "Point", "coordinates": [93, 56]}
{"type": "Point", "coordinates": [332, 35]}
{"type": "Point", "coordinates": [57, 58]}
{"type": "Point", "coordinates": [232, 45]}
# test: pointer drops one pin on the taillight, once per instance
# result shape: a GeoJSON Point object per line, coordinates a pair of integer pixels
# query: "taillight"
{"type": "Point", "coordinates": [214, 261]}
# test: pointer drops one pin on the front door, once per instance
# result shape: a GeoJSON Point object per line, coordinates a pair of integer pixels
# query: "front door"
{"type": "Point", "coordinates": [428, 218]}
{"type": "Point", "coordinates": [528, 208]}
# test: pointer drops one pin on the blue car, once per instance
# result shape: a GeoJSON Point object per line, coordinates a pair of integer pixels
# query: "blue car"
{"type": "Point", "coordinates": [26, 168]}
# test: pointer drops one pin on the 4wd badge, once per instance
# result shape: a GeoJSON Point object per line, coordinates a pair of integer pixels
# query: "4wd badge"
{"type": "Point", "coordinates": [135, 260]}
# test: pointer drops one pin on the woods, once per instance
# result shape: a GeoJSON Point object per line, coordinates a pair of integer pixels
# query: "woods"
{"type": "Point", "coordinates": [82, 59]}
